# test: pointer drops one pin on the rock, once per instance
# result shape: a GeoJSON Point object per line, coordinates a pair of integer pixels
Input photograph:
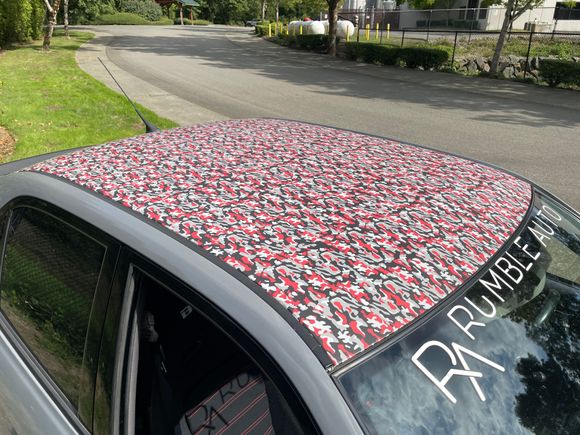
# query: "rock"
{"type": "Point", "coordinates": [535, 62]}
{"type": "Point", "coordinates": [486, 67]}
{"type": "Point", "coordinates": [513, 59]}
{"type": "Point", "coordinates": [480, 62]}
{"type": "Point", "coordinates": [575, 59]}
{"type": "Point", "coordinates": [472, 66]}
{"type": "Point", "coordinates": [508, 72]}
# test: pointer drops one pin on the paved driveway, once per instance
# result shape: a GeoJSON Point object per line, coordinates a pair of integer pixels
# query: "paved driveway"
{"type": "Point", "coordinates": [194, 74]}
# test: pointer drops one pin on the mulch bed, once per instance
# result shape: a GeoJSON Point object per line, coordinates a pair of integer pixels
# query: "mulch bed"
{"type": "Point", "coordinates": [6, 144]}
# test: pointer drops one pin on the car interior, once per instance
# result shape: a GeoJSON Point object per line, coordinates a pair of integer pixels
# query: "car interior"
{"type": "Point", "coordinates": [192, 378]}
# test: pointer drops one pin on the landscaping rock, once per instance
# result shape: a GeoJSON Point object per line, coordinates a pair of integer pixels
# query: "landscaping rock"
{"type": "Point", "coordinates": [472, 67]}
{"type": "Point", "coordinates": [480, 62]}
{"type": "Point", "coordinates": [508, 72]}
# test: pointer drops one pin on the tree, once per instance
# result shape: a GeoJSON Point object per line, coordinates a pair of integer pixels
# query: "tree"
{"type": "Point", "coordinates": [65, 18]}
{"type": "Point", "coordinates": [422, 4]}
{"type": "Point", "coordinates": [263, 8]}
{"type": "Point", "coordinates": [85, 11]}
{"type": "Point", "coordinates": [52, 11]}
{"type": "Point", "coordinates": [332, 20]}
{"type": "Point", "coordinates": [514, 9]}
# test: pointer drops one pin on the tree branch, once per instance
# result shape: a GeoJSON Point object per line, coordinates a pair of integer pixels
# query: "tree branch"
{"type": "Point", "coordinates": [48, 6]}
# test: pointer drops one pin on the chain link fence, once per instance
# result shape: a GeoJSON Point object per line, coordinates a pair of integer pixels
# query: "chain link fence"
{"type": "Point", "coordinates": [544, 19]}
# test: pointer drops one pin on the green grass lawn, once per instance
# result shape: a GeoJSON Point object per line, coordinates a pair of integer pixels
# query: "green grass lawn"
{"type": "Point", "coordinates": [48, 103]}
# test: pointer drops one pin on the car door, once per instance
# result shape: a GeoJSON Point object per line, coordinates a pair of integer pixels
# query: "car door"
{"type": "Point", "coordinates": [172, 362]}
{"type": "Point", "coordinates": [56, 273]}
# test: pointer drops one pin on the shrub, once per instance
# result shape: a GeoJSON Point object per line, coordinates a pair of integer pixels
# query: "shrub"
{"type": "Point", "coordinates": [36, 19]}
{"type": "Point", "coordinates": [556, 71]}
{"type": "Point", "coordinates": [413, 57]}
{"type": "Point", "coordinates": [427, 58]}
{"type": "Point", "coordinates": [261, 30]}
{"type": "Point", "coordinates": [389, 55]}
{"type": "Point", "coordinates": [20, 20]}
{"type": "Point", "coordinates": [369, 53]}
{"type": "Point", "coordinates": [163, 21]}
{"type": "Point", "coordinates": [123, 18]}
{"type": "Point", "coordinates": [147, 9]}
{"type": "Point", "coordinates": [186, 21]}
{"type": "Point", "coordinates": [309, 42]}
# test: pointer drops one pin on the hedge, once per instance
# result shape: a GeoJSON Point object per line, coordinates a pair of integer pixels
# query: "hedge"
{"type": "Point", "coordinates": [125, 18]}
{"type": "Point", "coordinates": [20, 21]}
{"type": "Point", "coordinates": [261, 30]}
{"type": "Point", "coordinates": [188, 22]}
{"type": "Point", "coordinates": [412, 57]}
{"type": "Point", "coordinates": [147, 9]}
{"type": "Point", "coordinates": [556, 71]}
{"type": "Point", "coordinates": [308, 42]}
{"type": "Point", "coordinates": [427, 58]}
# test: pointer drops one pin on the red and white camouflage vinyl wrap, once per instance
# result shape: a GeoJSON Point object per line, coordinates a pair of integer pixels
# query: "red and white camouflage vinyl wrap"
{"type": "Point", "coordinates": [355, 235]}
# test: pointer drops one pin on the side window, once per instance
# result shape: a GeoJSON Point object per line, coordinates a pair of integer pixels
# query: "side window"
{"type": "Point", "coordinates": [49, 276]}
{"type": "Point", "coordinates": [193, 379]}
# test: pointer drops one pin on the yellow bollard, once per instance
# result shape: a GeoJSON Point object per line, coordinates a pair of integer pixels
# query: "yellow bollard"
{"type": "Point", "coordinates": [368, 32]}
{"type": "Point", "coordinates": [377, 32]}
{"type": "Point", "coordinates": [269, 30]}
{"type": "Point", "coordinates": [388, 31]}
{"type": "Point", "coordinates": [301, 29]}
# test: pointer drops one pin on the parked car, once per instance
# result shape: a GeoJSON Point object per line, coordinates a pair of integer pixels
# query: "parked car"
{"type": "Point", "coordinates": [253, 23]}
{"type": "Point", "coordinates": [274, 276]}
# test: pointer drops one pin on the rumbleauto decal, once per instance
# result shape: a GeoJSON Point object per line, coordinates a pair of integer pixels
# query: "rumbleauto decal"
{"type": "Point", "coordinates": [507, 272]}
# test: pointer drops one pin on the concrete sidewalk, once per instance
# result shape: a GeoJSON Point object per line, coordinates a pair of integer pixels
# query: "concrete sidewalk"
{"type": "Point", "coordinates": [163, 103]}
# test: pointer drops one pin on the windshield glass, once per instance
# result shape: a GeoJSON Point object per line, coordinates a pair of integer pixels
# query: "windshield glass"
{"type": "Point", "coordinates": [502, 358]}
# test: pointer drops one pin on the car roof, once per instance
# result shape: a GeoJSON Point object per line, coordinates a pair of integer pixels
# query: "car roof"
{"type": "Point", "coordinates": [355, 235]}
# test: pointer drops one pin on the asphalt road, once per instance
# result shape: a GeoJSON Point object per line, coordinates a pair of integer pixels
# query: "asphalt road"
{"type": "Point", "coordinates": [220, 72]}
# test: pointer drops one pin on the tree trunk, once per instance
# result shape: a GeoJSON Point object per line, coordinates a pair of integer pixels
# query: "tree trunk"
{"type": "Point", "coordinates": [51, 14]}
{"type": "Point", "coordinates": [65, 11]}
{"type": "Point", "coordinates": [181, 13]}
{"type": "Point", "coordinates": [264, 6]}
{"type": "Point", "coordinates": [502, 35]}
{"type": "Point", "coordinates": [332, 19]}
{"type": "Point", "coordinates": [191, 15]}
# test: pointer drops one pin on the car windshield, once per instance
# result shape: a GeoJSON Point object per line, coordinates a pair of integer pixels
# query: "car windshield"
{"type": "Point", "coordinates": [502, 357]}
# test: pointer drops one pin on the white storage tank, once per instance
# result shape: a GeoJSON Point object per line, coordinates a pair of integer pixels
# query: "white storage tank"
{"type": "Point", "coordinates": [344, 27]}
{"type": "Point", "coordinates": [314, 28]}
{"type": "Point", "coordinates": [293, 27]}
